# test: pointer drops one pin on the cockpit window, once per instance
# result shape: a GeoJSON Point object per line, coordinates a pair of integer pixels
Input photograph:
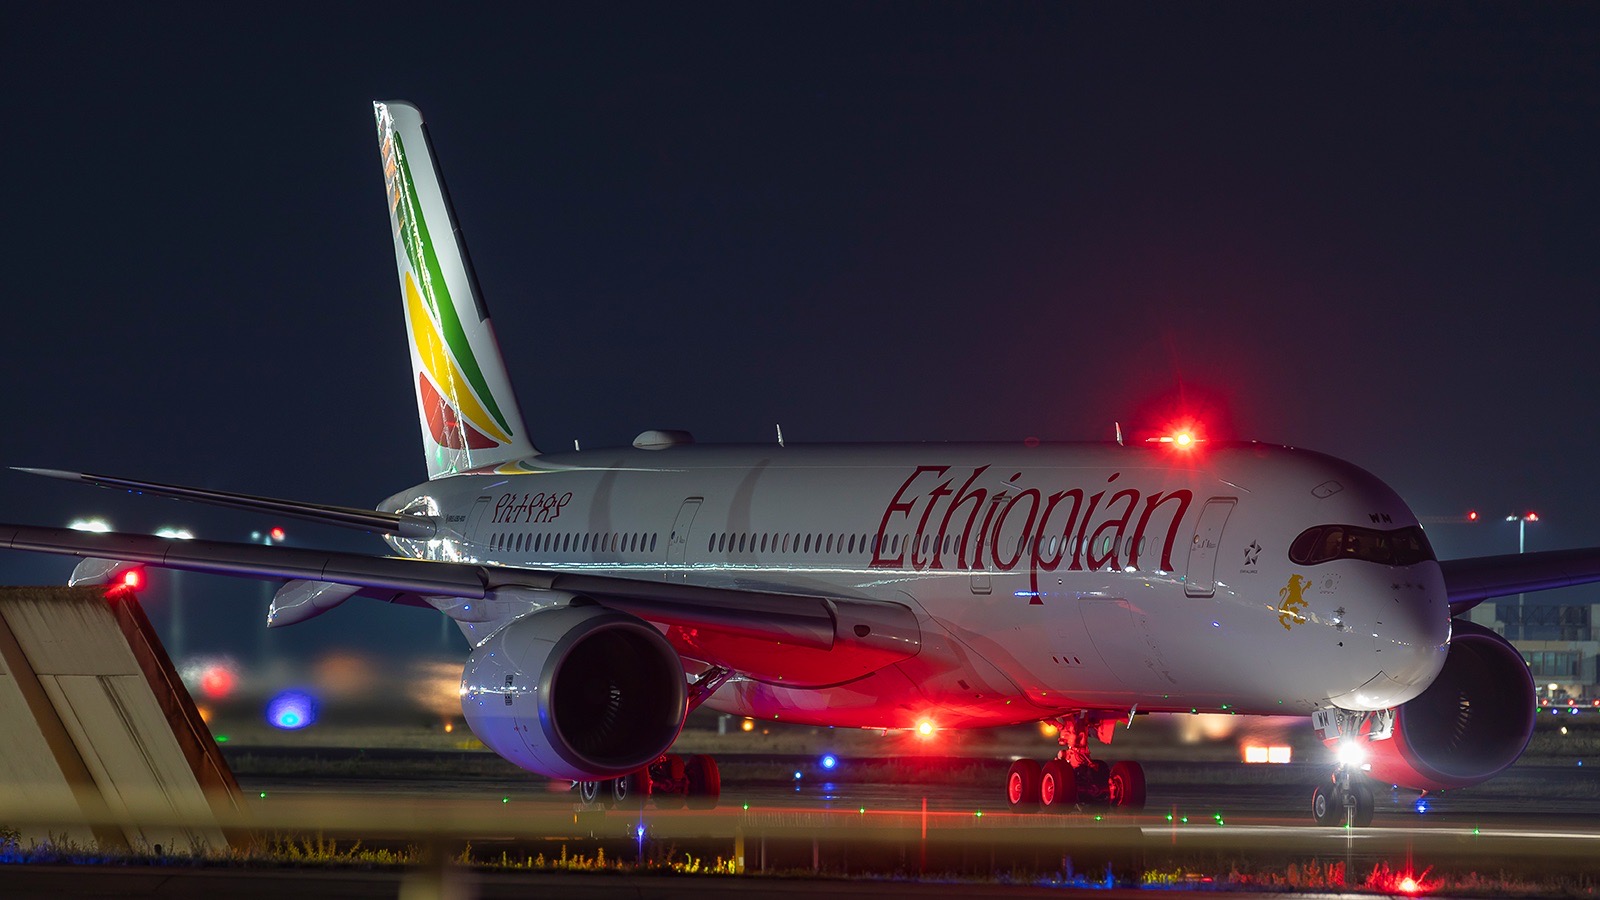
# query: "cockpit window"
{"type": "Point", "coordinates": [1324, 543]}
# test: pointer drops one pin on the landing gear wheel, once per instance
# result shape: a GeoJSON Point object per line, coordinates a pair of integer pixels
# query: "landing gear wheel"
{"type": "Point", "coordinates": [1326, 805]}
{"type": "Point", "coordinates": [1022, 786]}
{"type": "Point", "coordinates": [631, 790]}
{"type": "Point", "coordinates": [589, 793]}
{"type": "Point", "coordinates": [1361, 816]}
{"type": "Point", "coordinates": [1058, 786]}
{"type": "Point", "coordinates": [1125, 786]}
{"type": "Point", "coordinates": [704, 780]}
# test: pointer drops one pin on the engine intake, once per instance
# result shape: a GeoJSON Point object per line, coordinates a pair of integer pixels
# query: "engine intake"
{"type": "Point", "coordinates": [1471, 723]}
{"type": "Point", "coordinates": [576, 691]}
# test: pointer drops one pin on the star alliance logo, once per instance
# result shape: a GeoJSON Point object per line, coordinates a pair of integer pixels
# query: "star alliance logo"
{"type": "Point", "coordinates": [1251, 554]}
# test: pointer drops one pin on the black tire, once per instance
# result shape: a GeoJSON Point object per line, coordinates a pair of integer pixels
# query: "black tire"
{"type": "Point", "coordinates": [1058, 786]}
{"type": "Point", "coordinates": [1125, 786]}
{"type": "Point", "coordinates": [1327, 807]}
{"type": "Point", "coordinates": [630, 791]}
{"type": "Point", "coordinates": [1362, 816]}
{"type": "Point", "coordinates": [589, 793]}
{"type": "Point", "coordinates": [704, 780]}
{"type": "Point", "coordinates": [1022, 786]}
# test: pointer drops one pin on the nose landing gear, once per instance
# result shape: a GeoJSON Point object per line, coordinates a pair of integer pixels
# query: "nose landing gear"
{"type": "Point", "coordinates": [1346, 800]}
{"type": "Point", "coordinates": [1073, 778]}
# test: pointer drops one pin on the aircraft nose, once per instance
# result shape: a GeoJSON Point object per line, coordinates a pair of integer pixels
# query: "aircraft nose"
{"type": "Point", "coordinates": [1414, 630]}
{"type": "Point", "coordinates": [1410, 628]}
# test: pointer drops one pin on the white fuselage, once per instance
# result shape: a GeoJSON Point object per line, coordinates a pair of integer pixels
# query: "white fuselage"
{"type": "Point", "coordinates": [1045, 579]}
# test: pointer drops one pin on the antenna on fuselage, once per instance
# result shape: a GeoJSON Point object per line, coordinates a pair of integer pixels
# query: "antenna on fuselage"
{"type": "Point", "coordinates": [780, 435]}
{"type": "Point", "coordinates": [1119, 433]}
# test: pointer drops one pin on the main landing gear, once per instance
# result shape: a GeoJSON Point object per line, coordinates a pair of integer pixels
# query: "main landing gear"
{"type": "Point", "coordinates": [673, 781]}
{"type": "Point", "coordinates": [1074, 779]}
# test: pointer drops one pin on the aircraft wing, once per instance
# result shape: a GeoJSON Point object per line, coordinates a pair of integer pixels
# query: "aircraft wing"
{"type": "Point", "coordinates": [376, 521]}
{"type": "Point", "coordinates": [807, 621]}
{"type": "Point", "coordinates": [1472, 581]}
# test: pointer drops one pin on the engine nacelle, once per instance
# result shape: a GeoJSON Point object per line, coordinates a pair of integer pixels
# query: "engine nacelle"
{"type": "Point", "coordinates": [1471, 723]}
{"type": "Point", "coordinates": [580, 692]}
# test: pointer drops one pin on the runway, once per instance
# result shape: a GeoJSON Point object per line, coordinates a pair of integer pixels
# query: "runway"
{"type": "Point", "coordinates": [947, 816]}
{"type": "Point", "coordinates": [933, 819]}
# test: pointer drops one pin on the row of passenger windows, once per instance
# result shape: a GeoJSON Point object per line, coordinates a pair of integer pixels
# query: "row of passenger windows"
{"type": "Point", "coordinates": [849, 543]}
{"type": "Point", "coordinates": [772, 542]}
{"type": "Point", "coordinates": [613, 542]}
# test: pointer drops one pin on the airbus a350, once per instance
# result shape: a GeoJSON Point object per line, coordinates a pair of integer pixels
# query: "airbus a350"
{"type": "Point", "coordinates": [607, 593]}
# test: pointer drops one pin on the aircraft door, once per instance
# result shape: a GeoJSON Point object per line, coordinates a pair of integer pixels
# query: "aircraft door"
{"type": "Point", "coordinates": [470, 529]}
{"type": "Point", "coordinates": [1201, 580]}
{"type": "Point", "coordinates": [678, 543]}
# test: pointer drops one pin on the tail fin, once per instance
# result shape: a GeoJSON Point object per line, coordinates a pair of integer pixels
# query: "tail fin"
{"type": "Point", "coordinates": [469, 414]}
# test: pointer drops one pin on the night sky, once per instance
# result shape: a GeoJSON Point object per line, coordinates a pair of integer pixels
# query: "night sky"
{"type": "Point", "coordinates": [1368, 229]}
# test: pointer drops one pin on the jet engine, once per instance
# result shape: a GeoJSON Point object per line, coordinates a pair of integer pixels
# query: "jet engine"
{"type": "Point", "coordinates": [578, 691]}
{"type": "Point", "coordinates": [1472, 722]}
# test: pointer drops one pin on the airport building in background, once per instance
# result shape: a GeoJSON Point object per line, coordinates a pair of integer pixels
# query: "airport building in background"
{"type": "Point", "coordinates": [1559, 644]}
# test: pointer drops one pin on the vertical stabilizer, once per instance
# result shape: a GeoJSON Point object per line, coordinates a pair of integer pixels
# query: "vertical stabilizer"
{"type": "Point", "coordinates": [469, 414]}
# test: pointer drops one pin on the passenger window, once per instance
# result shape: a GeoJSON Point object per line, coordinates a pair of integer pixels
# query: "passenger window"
{"type": "Point", "coordinates": [653, 537]}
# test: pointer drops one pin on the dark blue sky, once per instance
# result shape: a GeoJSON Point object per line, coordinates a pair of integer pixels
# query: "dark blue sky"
{"type": "Point", "coordinates": [1369, 229]}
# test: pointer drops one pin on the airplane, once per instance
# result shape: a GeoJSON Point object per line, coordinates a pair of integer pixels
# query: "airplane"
{"type": "Point", "coordinates": [607, 593]}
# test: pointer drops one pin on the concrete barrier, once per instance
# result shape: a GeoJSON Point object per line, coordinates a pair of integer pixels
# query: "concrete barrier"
{"type": "Point", "coordinates": [102, 744]}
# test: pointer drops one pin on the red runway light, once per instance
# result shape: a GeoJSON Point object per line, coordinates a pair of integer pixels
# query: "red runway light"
{"type": "Point", "coordinates": [217, 682]}
{"type": "Point", "coordinates": [276, 534]}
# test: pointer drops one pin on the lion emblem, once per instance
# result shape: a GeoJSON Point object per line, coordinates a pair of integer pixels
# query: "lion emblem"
{"type": "Point", "coordinates": [1293, 597]}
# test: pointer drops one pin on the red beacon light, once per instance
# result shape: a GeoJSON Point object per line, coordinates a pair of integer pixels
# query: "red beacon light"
{"type": "Point", "coordinates": [1179, 439]}
{"type": "Point", "coordinates": [1472, 515]}
{"type": "Point", "coordinates": [133, 579]}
